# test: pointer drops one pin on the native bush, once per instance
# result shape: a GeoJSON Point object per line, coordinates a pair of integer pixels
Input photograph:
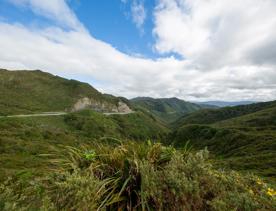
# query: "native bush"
{"type": "Point", "coordinates": [136, 176]}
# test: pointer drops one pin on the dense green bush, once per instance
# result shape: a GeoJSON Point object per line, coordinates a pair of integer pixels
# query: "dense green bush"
{"type": "Point", "coordinates": [135, 176]}
{"type": "Point", "coordinates": [234, 148]}
{"type": "Point", "coordinates": [210, 116]}
{"type": "Point", "coordinates": [137, 126]}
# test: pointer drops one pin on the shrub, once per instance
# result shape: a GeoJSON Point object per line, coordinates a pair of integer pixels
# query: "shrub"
{"type": "Point", "coordinates": [142, 176]}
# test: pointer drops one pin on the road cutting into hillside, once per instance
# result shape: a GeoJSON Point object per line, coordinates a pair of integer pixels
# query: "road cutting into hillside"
{"type": "Point", "coordinates": [59, 114]}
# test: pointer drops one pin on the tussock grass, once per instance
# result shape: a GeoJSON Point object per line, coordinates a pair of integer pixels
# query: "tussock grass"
{"type": "Point", "coordinates": [132, 176]}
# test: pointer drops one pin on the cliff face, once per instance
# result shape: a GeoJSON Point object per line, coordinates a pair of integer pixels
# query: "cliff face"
{"type": "Point", "coordinates": [88, 103]}
{"type": "Point", "coordinates": [123, 108]}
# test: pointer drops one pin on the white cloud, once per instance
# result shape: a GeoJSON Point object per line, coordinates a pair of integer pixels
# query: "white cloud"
{"type": "Point", "coordinates": [75, 54]}
{"type": "Point", "coordinates": [56, 10]}
{"type": "Point", "coordinates": [240, 68]}
{"type": "Point", "coordinates": [216, 33]}
{"type": "Point", "coordinates": [138, 13]}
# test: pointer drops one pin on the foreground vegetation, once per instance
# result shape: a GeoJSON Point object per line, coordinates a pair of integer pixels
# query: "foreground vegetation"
{"type": "Point", "coordinates": [131, 176]}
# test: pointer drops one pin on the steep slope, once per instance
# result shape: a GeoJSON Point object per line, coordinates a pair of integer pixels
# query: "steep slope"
{"type": "Point", "coordinates": [209, 116]}
{"type": "Point", "coordinates": [37, 91]}
{"type": "Point", "coordinates": [166, 109]}
{"type": "Point", "coordinates": [261, 119]}
{"type": "Point", "coordinates": [246, 142]}
{"type": "Point", "coordinates": [23, 139]}
{"type": "Point", "coordinates": [136, 126]}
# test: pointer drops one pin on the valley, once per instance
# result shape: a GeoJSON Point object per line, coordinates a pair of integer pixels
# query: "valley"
{"type": "Point", "coordinates": [44, 115]}
{"type": "Point", "coordinates": [137, 105]}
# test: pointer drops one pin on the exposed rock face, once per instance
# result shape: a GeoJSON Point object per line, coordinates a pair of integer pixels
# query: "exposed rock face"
{"type": "Point", "coordinates": [123, 108]}
{"type": "Point", "coordinates": [82, 104]}
{"type": "Point", "coordinates": [87, 103]}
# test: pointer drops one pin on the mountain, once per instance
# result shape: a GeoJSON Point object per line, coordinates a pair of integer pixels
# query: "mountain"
{"type": "Point", "coordinates": [37, 91]}
{"type": "Point", "coordinates": [165, 109]}
{"type": "Point", "coordinates": [22, 139]}
{"type": "Point", "coordinates": [224, 103]}
{"type": "Point", "coordinates": [89, 159]}
{"type": "Point", "coordinates": [27, 92]}
{"type": "Point", "coordinates": [241, 137]}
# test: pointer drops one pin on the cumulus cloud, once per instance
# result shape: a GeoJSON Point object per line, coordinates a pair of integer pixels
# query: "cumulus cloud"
{"type": "Point", "coordinates": [216, 33]}
{"type": "Point", "coordinates": [231, 64]}
{"type": "Point", "coordinates": [76, 54]}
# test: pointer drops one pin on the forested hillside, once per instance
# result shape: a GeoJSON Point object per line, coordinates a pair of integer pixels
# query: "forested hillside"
{"type": "Point", "coordinates": [209, 116]}
{"type": "Point", "coordinates": [166, 109]}
{"type": "Point", "coordinates": [242, 137]}
{"type": "Point", "coordinates": [108, 153]}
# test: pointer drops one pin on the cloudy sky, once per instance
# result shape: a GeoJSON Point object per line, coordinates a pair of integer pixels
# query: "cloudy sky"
{"type": "Point", "coordinates": [191, 49]}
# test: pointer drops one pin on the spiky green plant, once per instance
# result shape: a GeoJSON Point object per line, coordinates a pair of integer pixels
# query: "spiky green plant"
{"type": "Point", "coordinates": [132, 176]}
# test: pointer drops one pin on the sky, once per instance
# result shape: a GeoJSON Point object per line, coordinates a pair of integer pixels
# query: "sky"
{"type": "Point", "coordinates": [195, 50]}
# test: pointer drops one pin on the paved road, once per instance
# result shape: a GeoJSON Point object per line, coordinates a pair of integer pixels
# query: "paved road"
{"type": "Point", "coordinates": [56, 114]}
{"type": "Point", "coordinates": [118, 113]}
{"type": "Point", "coordinates": [35, 115]}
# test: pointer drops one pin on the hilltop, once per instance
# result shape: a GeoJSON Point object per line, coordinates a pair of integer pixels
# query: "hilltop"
{"type": "Point", "coordinates": [36, 91]}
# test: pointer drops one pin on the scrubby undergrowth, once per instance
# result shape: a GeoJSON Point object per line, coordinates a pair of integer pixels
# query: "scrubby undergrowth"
{"type": "Point", "coordinates": [133, 176]}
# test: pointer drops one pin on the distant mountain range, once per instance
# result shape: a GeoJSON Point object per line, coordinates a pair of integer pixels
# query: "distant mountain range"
{"type": "Point", "coordinates": [225, 103]}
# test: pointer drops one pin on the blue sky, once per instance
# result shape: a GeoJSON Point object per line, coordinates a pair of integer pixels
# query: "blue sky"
{"type": "Point", "coordinates": [191, 49]}
{"type": "Point", "coordinates": [111, 21]}
{"type": "Point", "coordinates": [108, 20]}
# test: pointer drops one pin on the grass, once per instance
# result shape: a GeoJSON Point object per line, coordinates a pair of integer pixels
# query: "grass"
{"type": "Point", "coordinates": [131, 176]}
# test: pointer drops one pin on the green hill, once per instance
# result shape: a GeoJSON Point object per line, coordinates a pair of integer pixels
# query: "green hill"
{"type": "Point", "coordinates": [209, 116]}
{"type": "Point", "coordinates": [264, 118]}
{"type": "Point", "coordinates": [23, 139]}
{"type": "Point", "coordinates": [86, 159]}
{"type": "Point", "coordinates": [37, 91]}
{"type": "Point", "coordinates": [166, 109]}
{"type": "Point", "coordinates": [241, 137]}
